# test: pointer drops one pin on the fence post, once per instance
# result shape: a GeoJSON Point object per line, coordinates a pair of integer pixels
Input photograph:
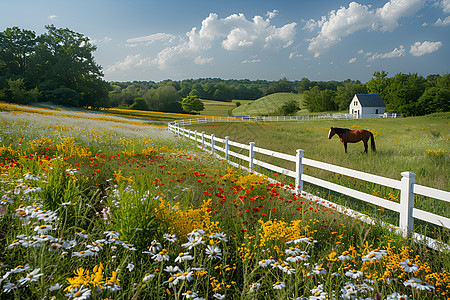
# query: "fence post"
{"type": "Point", "coordinates": [203, 140]}
{"type": "Point", "coordinates": [406, 222]}
{"type": "Point", "coordinates": [212, 143]}
{"type": "Point", "coordinates": [227, 147]}
{"type": "Point", "coordinates": [195, 137]}
{"type": "Point", "coordinates": [251, 155]}
{"type": "Point", "coordinates": [299, 170]}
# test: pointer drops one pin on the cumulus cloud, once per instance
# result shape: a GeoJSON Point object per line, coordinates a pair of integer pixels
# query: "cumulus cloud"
{"type": "Point", "coordinates": [419, 49]}
{"type": "Point", "coordinates": [441, 22]}
{"type": "Point", "coordinates": [272, 14]}
{"type": "Point", "coordinates": [52, 17]}
{"type": "Point", "coordinates": [131, 61]}
{"type": "Point", "coordinates": [352, 60]}
{"type": "Point", "coordinates": [397, 52]}
{"type": "Point", "coordinates": [233, 33]}
{"type": "Point", "coordinates": [156, 37]}
{"type": "Point", "coordinates": [392, 11]}
{"type": "Point", "coordinates": [348, 20]}
{"type": "Point", "coordinates": [446, 6]}
{"type": "Point", "coordinates": [203, 60]}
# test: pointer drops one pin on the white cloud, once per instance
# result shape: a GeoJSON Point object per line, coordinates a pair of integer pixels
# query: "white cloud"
{"type": "Point", "coordinates": [157, 37]}
{"type": "Point", "coordinates": [233, 33]}
{"type": "Point", "coordinates": [351, 60]}
{"type": "Point", "coordinates": [251, 61]}
{"type": "Point", "coordinates": [393, 10]}
{"type": "Point", "coordinates": [419, 49]}
{"type": "Point", "coordinates": [446, 6]}
{"type": "Point", "coordinates": [346, 21]}
{"type": "Point", "coordinates": [272, 14]}
{"type": "Point", "coordinates": [397, 52]}
{"type": "Point", "coordinates": [203, 60]}
{"type": "Point", "coordinates": [294, 54]}
{"type": "Point", "coordinates": [52, 17]}
{"type": "Point", "coordinates": [361, 51]}
{"type": "Point", "coordinates": [444, 22]}
{"type": "Point", "coordinates": [131, 61]}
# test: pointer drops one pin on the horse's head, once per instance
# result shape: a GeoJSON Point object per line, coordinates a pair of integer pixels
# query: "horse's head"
{"type": "Point", "coordinates": [331, 133]}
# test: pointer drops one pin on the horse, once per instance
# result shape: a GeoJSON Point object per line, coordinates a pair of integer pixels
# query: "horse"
{"type": "Point", "coordinates": [353, 136]}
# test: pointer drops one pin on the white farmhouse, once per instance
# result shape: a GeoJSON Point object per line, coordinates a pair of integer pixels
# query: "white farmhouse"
{"type": "Point", "coordinates": [367, 106]}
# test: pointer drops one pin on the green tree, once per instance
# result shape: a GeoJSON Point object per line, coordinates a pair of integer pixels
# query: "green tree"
{"type": "Point", "coordinates": [192, 103]}
{"type": "Point", "coordinates": [346, 92]}
{"type": "Point", "coordinates": [19, 93]}
{"type": "Point", "coordinates": [403, 92]}
{"type": "Point", "coordinates": [139, 104]}
{"type": "Point", "coordinates": [16, 47]}
{"type": "Point", "coordinates": [317, 101]}
{"type": "Point", "coordinates": [288, 108]}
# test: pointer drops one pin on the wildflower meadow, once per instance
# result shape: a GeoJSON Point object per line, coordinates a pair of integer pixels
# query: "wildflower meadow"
{"type": "Point", "coordinates": [101, 208]}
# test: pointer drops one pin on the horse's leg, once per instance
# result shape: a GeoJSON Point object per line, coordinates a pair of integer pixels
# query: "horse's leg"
{"type": "Point", "coordinates": [365, 146]}
{"type": "Point", "coordinates": [345, 146]}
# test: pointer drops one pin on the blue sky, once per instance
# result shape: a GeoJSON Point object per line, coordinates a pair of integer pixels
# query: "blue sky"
{"type": "Point", "coordinates": [320, 40]}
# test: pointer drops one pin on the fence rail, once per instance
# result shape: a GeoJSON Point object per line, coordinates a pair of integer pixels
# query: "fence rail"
{"type": "Point", "coordinates": [338, 116]}
{"type": "Point", "coordinates": [406, 185]}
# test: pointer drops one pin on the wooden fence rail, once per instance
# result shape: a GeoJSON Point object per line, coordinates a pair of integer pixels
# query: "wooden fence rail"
{"type": "Point", "coordinates": [406, 185]}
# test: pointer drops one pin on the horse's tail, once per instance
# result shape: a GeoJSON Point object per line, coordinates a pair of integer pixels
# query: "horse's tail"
{"type": "Point", "coordinates": [372, 142]}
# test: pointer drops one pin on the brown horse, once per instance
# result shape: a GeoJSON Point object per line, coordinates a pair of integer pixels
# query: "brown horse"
{"type": "Point", "coordinates": [353, 136]}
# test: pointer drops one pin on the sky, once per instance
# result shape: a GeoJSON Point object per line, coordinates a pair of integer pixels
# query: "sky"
{"type": "Point", "coordinates": [149, 40]}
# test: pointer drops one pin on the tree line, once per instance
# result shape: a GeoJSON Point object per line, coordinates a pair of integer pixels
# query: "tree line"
{"type": "Point", "coordinates": [408, 94]}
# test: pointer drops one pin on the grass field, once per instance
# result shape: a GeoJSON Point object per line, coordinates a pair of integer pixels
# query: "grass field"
{"type": "Point", "coordinates": [417, 144]}
{"type": "Point", "coordinates": [217, 108]}
{"type": "Point", "coordinates": [94, 206]}
{"type": "Point", "coordinates": [267, 105]}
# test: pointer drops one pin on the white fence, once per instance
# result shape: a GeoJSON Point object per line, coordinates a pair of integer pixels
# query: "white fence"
{"type": "Point", "coordinates": [337, 116]}
{"type": "Point", "coordinates": [406, 185]}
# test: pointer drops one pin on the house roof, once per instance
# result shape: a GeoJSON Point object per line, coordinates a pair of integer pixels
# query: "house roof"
{"type": "Point", "coordinates": [370, 100]}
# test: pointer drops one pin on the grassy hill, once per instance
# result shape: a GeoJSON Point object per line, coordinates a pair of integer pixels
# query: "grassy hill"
{"type": "Point", "coordinates": [267, 105]}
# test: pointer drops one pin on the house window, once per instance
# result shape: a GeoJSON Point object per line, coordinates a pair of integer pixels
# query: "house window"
{"type": "Point", "coordinates": [376, 111]}
{"type": "Point", "coordinates": [355, 103]}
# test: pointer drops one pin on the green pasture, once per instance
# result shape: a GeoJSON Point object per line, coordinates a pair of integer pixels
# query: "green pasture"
{"type": "Point", "coordinates": [267, 105]}
{"type": "Point", "coordinates": [217, 108]}
{"type": "Point", "coordinates": [401, 143]}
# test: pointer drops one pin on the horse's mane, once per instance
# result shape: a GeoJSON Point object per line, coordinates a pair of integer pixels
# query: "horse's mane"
{"type": "Point", "coordinates": [340, 130]}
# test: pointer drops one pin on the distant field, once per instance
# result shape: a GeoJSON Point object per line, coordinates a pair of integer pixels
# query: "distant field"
{"type": "Point", "coordinates": [217, 108]}
{"type": "Point", "coordinates": [266, 105]}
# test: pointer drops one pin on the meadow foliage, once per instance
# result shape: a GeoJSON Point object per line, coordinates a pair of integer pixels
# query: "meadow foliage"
{"type": "Point", "coordinates": [117, 212]}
